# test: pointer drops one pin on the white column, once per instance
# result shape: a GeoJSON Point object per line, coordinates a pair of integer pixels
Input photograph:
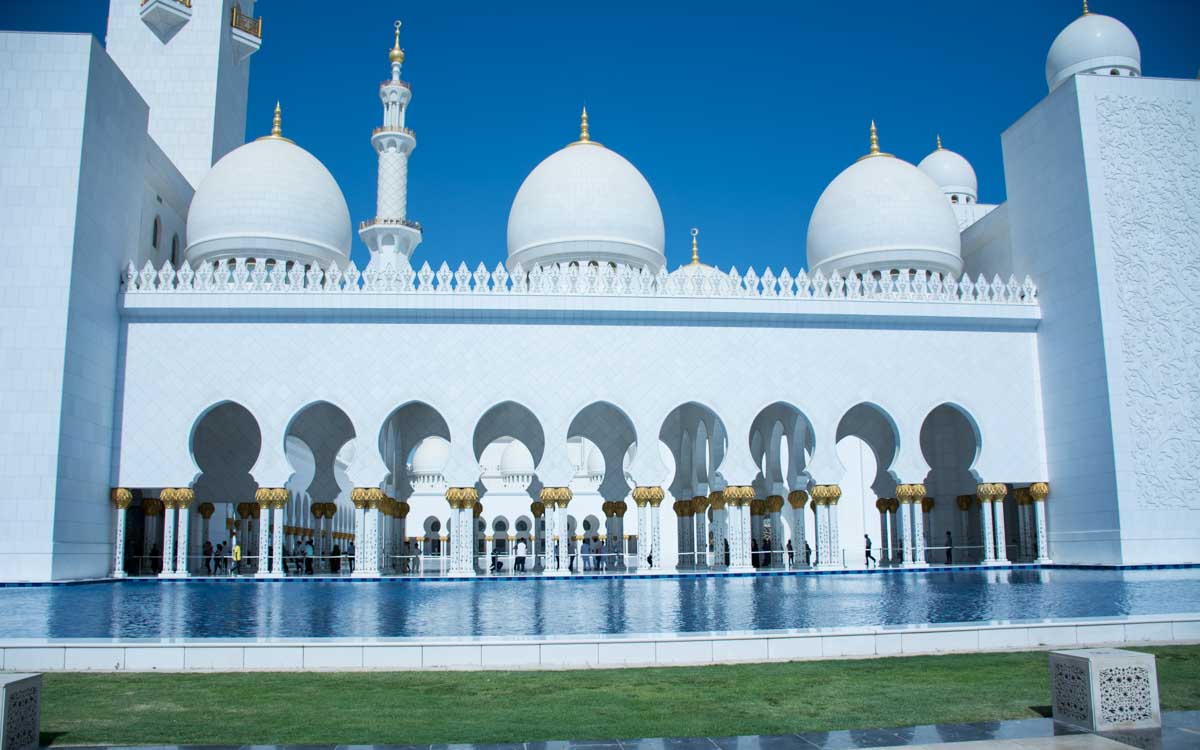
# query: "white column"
{"type": "Point", "coordinates": [121, 499]}
{"type": "Point", "coordinates": [798, 536]}
{"type": "Point", "coordinates": [360, 534]}
{"type": "Point", "coordinates": [643, 544]}
{"type": "Point", "coordinates": [885, 543]}
{"type": "Point", "coordinates": [835, 544]}
{"type": "Point", "coordinates": [277, 536]}
{"type": "Point", "coordinates": [919, 529]}
{"type": "Point", "coordinates": [906, 533]}
{"type": "Point", "coordinates": [998, 514]}
{"type": "Point", "coordinates": [985, 519]}
{"type": "Point", "coordinates": [168, 550]}
{"type": "Point", "coordinates": [564, 535]}
{"type": "Point", "coordinates": [777, 538]}
{"type": "Point", "coordinates": [264, 532]}
{"type": "Point", "coordinates": [184, 520]}
{"type": "Point", "coordinates": [656, 531]}
{"type": "Point", "coordinates": [549, 530]}
{"type": "Point", "coordinates": [1039, 520]}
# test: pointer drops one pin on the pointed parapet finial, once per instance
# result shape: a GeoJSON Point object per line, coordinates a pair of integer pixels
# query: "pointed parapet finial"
{"type": "Point", "coordinates": [695, 247]}
{"type": "Point", "coordinates": [397, 54]}
{"type": "Point", "coordinates": [939, 142]}
{"type": "Point", "coordinates": [1085, 8]}
{"type": "Point", "coordinates": [584, 135]}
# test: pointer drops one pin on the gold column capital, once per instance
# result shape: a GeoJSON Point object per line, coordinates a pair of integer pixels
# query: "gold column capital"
{"type": "Point", "coordinates": [828, 494]}
{"type": "Point", "coordinates": [910, 493]}
{"type": "Point", "coordinates": [121, 497]}
{"type": "Point", "coordinates": [653, 496]}
{"type": "Point", "coordinates": [797, 498]}
{"type": "Point", "coordinates": [1039, 491]}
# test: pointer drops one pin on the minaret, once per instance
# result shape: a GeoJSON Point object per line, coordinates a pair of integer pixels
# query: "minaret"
{"type": "Point", "coordinates": [391, 233]}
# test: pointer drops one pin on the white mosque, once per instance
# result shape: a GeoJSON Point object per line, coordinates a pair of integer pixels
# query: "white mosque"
{"type": "Point", "coordinates": [190, 354]}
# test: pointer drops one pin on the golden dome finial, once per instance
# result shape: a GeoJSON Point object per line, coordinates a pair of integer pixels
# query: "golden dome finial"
{"type": "Point", "coordinates": [695, 247]}
{"type": "Point", "coordinates": [1085, 8]}
{"type": "Point", "coordinates": [397, 54]}
{"type": "Point", "coordinates": [874, 145]}
{"type": "Point", "coordinates": [584, 136]}
{"type": "Point", "coordinates": [939, 142]}
{"type": "Point", "coordinates": [277, 123]}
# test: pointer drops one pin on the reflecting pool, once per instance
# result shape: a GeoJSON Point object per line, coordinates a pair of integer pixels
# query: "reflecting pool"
{"type": "Point", "coordinates": [400, 608]}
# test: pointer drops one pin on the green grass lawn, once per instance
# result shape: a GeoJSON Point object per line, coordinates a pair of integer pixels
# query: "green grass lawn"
{"type": "Point", "coordinates": [435, 707]}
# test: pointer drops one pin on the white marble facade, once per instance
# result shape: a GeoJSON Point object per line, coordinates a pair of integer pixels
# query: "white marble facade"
{"type": "Point", "coordinates": [1038, 402]}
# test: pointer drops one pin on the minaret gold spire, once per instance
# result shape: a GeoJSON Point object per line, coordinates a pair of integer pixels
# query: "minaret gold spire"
{"type": "Point", "coordinates": [584, 136]}
{"type": "Point", "coordinates": [397, 54]}
{"type": "Point", "coordinates": [695, 247]}
{"type": "Point", "coordinates": [1085, 8]}
{"type": "Point", "coordinates": [939, 141]}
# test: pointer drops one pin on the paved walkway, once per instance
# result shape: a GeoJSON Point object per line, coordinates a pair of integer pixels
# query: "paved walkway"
{"type": "Point", "coordinates": [1181, 731]}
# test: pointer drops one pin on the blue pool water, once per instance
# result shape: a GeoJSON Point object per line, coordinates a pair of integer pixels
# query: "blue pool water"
{"type": "Point", "coordinates": [150, 609]}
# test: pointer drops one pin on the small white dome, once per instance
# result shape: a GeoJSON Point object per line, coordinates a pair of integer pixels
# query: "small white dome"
{"type": "Point", "coordinates": [431, 455]}
{"type": "Point", "coordinates": [595, 462]}
{"type": "Point", "coordinates": [585, 203]}
{"type": "Point", "coordinates": [269, 199]}
{"type": "Point", "coordinates": [516, 459]}
{"type": "Point", "coordinates": [1093, 43]}
{"type": "Point", "coordinates": [952, 173]}
{"type": "Point", "coordinates": [882, 213]}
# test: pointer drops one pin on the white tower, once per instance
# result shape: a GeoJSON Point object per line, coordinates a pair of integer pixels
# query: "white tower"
{"type": "Point", "coordinates": [190, 61]}
{"type": "Point", "coordinates": [391, 234]}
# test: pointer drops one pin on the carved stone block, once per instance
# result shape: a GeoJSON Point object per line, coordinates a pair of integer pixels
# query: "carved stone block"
{"type": "Point", "coordinates": [1105, 689]}
{"type": "Point", "coordinates": [20, 711]}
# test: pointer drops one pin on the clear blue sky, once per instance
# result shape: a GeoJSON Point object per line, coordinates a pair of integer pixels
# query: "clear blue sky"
{"type": "Point", "coordinates": [738, 114]}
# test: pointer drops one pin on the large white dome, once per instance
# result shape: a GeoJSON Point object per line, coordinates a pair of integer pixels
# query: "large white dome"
{"type": "Point", "coordinates": [1093, 43]}
{"type": "Point", "coordinates": [880, 214]}
{"type": "Point", "coordinates": [271, 199]}
{"type": "Point", "coordinates": [585, 203]}
{"type": "Point", "coordinates": [952, 173]}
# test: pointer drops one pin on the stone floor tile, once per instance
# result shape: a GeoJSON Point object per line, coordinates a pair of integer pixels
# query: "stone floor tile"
{"type": "Point", "coordinates": [762, 742]}
{"type": "Point", "coordinates": [852, 739]}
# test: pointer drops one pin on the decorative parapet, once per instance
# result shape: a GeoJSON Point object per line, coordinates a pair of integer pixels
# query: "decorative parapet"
{"type": "Point", "coordinates": [262, 275]}
{"type": "Point", "coordinates": [249, 24]}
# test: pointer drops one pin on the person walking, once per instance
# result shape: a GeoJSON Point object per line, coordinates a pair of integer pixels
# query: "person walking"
{"type": "Point", "coordinates": [870, 557]}
{"type": "Point", "coordinates": [586, 551]}
{"type": "Point", "coordinates": [219, 560]}
{"type": "Point", "coordinates": [207, 551]}
{"type": "Point", "coordinates": [807, 554]}
{"type": "Point", "coordinates": [791, 553]}
{"type": "Point", "coordinates": [235, 568]}
{"type": "Point", "coordinates": [350, 554]}
{"type": "Point", "coordinates": [309, 553]}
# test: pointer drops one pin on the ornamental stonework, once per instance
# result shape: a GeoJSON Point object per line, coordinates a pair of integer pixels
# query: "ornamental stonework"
{"type": "Point", "coordinates": [1150, 156]}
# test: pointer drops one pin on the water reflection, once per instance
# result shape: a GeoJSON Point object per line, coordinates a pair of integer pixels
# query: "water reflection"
{"type": "Point", "coordinates": [152, 609]}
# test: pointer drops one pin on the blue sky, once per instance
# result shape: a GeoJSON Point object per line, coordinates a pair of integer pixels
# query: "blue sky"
{"type": "Point", "coordinates": [738, 115]}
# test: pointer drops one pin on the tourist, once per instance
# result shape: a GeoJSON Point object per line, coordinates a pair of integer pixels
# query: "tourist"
{"type": "Point", "coordinates": [219, 559]}
{"type": "Point", "coordinates": [519, 564]}
{"type": "Point", "coordinates": [207, 551]}
{"type": "Point", "coordinates": [791, 553]}
{"type": "Point", "coordinates": [235, 568]}
{"type": "Point", "coordinates": [335, 562]}
{"type": "Point", "coordinates": [309, 553]}
{"type": "Point", "coordinates": [726, 542]}
{"type": "Point", "coordinates": [155, 559]}
{"type": "Point", "coordinates": [949, 547]}
{"type": "Point", "coordinates": [572, 549]}
{"type": "Point", "coordinates": [587, 553]}
{"type": "Point", "coordinates": [754, 552]}
{"type": "Point", "coordinates": [350, 554]}
{"type": "Point", "coordinates": [807, 554]}
{"type": "Point", "coordinates": [497, 563]}
{"type": "Point", "coordinates": [597, 554]}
